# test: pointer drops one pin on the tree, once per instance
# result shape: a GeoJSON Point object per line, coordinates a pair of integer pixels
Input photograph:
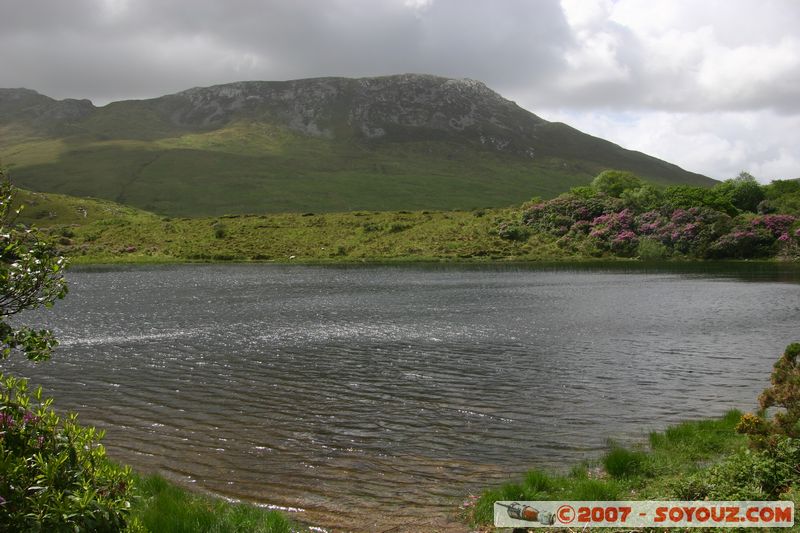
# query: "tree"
{"type": "Point", "coordinates": [688, 196]}
{"type": "Point", "coordinates": [644, 198]}
{"type": "Point", "coordinates": [31, 276]}
{"type": "Point", "coordinates": [783, 196]}
{"type": "Point", "coordinates": [54, 474]}
{"type": "Point", "coordinates": [614, 182]}
{"type": "Point", "coordinates": [743, 191]}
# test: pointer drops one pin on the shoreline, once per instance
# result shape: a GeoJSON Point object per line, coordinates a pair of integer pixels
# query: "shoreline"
{"type": "Point", "coordinates": [417, 260]}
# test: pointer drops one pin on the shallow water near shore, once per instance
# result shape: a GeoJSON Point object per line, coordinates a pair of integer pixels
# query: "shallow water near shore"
{"type": "Point", "coordinates": [376, 398]}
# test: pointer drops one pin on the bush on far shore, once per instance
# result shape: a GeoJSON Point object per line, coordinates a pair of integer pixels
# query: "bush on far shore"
{"type": "Point", "coordinates": [620, 215]}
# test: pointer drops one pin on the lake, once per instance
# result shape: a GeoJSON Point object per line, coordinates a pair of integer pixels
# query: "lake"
{"type": "Point", "coordinates": [371, 398]}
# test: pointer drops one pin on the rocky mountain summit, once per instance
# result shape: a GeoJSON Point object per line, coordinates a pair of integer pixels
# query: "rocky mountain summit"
{"type": "Point", "coordinates": [398, 107]}
{"type": "Point", "coordinates": [391, 107]}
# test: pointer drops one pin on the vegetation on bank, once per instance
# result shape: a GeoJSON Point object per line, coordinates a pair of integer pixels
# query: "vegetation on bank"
{"type": "Point", "coordinates": [736, 457]}
{"type": "Point", "coordinates": [617, 217]}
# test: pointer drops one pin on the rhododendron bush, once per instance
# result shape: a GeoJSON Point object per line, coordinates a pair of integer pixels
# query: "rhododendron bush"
{"type": "Point", "coordinates": [612, 226]}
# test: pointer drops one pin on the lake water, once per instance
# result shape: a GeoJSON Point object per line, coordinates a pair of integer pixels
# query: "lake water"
{"type": "Point", "coordinates": [379, 397]}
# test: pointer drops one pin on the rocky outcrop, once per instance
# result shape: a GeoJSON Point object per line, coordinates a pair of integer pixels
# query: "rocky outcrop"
{"type": "Point", "coordinates": [391, 108]}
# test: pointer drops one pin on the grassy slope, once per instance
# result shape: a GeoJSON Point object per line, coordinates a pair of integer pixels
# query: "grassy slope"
{"type": "Point", "coordinates": [92, 231]}
{"type": "Point", "coordinates": [250, 167]}
{"type": "Point", "coordinates": [335, 237]}
{"type": "Point", "coordinates": [45, 210]}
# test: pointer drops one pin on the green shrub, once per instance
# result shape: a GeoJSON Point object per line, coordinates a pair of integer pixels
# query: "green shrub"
{"type": "Point", "coordinates": [397, 227]}
{"type": "Point", "coordinates": [746, 475]}
{"type": "Point", "coordinates": [513, 232]}
{"type": "Point", "coordinates": [615, 182]}
{"type": "Point", "coordinates": [783, 394]}
{"type": "Point", "coordinates": [54, 474]}
{"type": "Point", "coordinates": [369, 227]}
{"type": "Point", "coordinates": [651, 250]}
{"type": "Point", "coordinates": [219, 230]}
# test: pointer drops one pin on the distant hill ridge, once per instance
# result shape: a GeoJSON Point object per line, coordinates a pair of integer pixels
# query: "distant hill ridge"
{"type": "Point", "coordinates": [324, 144]}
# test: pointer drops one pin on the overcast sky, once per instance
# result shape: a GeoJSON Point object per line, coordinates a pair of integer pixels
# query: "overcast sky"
{"type": "Point", "coordinates": [711, 85]}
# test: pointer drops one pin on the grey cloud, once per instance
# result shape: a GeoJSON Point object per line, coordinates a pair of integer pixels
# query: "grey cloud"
{"type": "Point", "coordinates": [83, 48]}
{"type": "Point", "coordinates": [111, 49]}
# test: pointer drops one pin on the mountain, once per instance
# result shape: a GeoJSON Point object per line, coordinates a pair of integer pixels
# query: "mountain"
{"type": "Point", "coordinates": [324, 144]}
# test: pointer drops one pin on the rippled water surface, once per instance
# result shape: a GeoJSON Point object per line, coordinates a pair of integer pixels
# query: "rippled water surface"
{"type": "Point", "coordinates": [378, 397]}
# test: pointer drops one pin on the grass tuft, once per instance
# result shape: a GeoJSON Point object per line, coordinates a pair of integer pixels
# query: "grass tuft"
{"type": "Point", "coordinates": [166, 508]}
{"type": "Point", "coordinates": [624, 463]}
{"type": "Point", "coordinates": [594, 490]}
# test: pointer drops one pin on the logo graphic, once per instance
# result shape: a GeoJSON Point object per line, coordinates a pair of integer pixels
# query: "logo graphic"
{"type": "Point", "coordinates": [641, 514]}
{"type": "Point", "coordinates": [517, 511]}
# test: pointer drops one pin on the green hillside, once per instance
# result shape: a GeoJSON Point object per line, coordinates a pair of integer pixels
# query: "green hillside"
{"type": "Point", "coordinates": [330, 144]}
{"type": "Point", "coordinates": [736, 219]}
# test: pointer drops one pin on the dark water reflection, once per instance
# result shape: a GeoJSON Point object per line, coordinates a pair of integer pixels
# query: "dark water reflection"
{"type": "Point", "coordinates": [369, 397]}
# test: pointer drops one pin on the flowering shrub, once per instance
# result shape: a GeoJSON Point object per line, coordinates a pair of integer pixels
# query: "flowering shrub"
{"type": "Point", "coordinates": [625, 243]}
{"type": "Point", "coordinates": [560, 214]}
{"type": "Point", "coordinates": [54, 475]}
{"type": "Point", "coordinates": [681, 220]}
{"type": "Point", "coordinates": [777, 225]}
{"type": "Point", "coordinates": [691, 231]}
{"type": "Point", "coordinates": [743, 244]}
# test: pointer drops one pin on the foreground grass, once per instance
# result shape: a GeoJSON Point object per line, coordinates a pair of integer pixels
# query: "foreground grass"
{"type": "Point", "coordinates": [162, 507]}
{"type": "Point", "coordinates": [674, 466]}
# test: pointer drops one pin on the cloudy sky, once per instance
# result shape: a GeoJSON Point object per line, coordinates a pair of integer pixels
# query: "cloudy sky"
{"type": "Point", "coordinates": [712, 85]}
